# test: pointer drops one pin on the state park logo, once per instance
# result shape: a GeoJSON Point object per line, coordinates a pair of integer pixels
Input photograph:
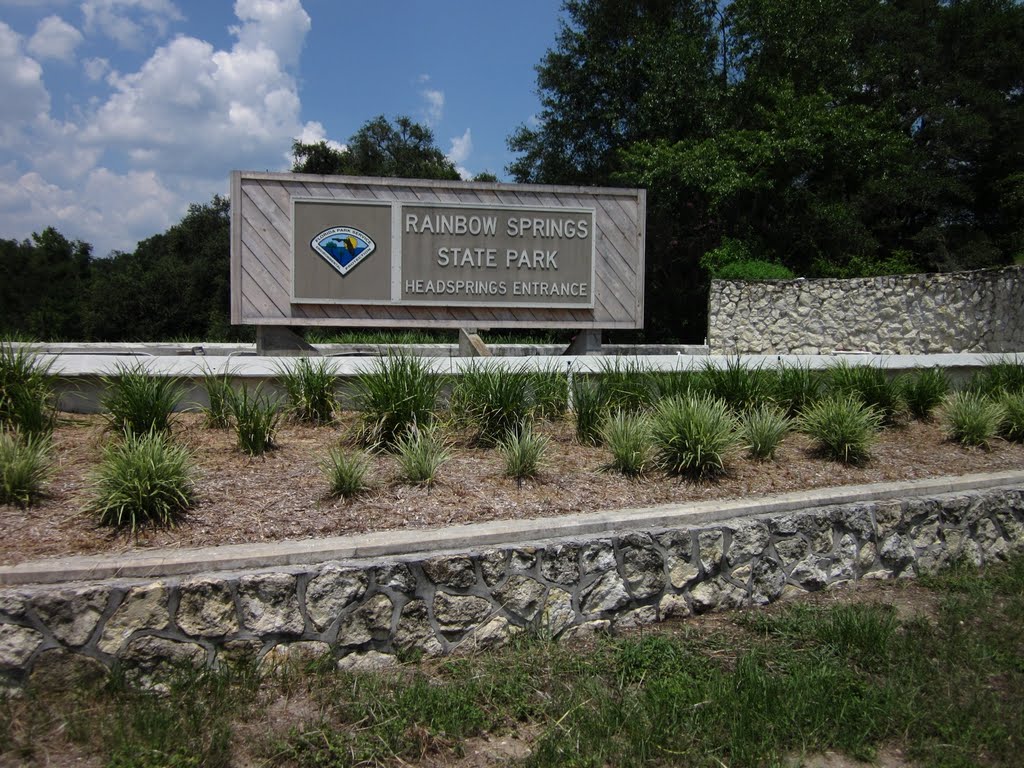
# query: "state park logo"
{"type": "Point", "coordinates": [344, 248]}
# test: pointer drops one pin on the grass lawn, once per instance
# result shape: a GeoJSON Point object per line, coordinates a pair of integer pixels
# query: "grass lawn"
{"type": "Point", "coordinates": [929, 671]}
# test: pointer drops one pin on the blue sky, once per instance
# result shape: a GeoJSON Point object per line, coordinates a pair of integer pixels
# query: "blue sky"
{"type": "Point", "coordinates": [119, 113]}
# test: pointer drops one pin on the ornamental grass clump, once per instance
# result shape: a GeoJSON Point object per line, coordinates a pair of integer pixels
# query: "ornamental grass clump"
{"type": "Point", "coordinates": [628, 437]}
{"type": "Point", "coordinates": [1013, 417]}
{"type": "Point", "coordinates": [310, 388]}
{"type": "Point", "coordinates": [762, 429]}
{"type": "Point", "coordinates": [217, 412]}
{"type": "Point", "coordinates": [972, 419]}
{"type": "Point", "coordinates": [589, 410]}
{"type": "Point", "coordinates": [493, 400]}
{"type": "Point", "coordinates": [346, 472]}
{"type": "Point", "coordinates": [796, 387]}
{"type": "Point", "coordinates": [924, 391]}
{"type": "Point", "coordinates": [995, 380]}
{"type": "Point", "coordinates": [27, 402]}
{"type": "Point", "coordinates": [741, 387]}
{"type": "Point", "coordinates": [137, 402]}
{"type": "Point", "coordinates": [395, 394]}
{"type": "Point", "coordinates": [549, 389]}
{"type": "Point", "coordinates": [143, 480]}
{"type": "Point", "coordinates": [522, 452]}
{"type": "Point", "coordinates": [24, 466]}
{"type": "Point", "coordinates": [843, 427]}
{"type": "Point", "coordinates": [256, 418]}
{"type": "Point", "coordinates": [693, 435]}
{"type": "Point", "coordinates": [420, 452]}
{"type": "Point", "coordinates": [871, 385]}
{"type": "Point", "coordinates": [625, 386]}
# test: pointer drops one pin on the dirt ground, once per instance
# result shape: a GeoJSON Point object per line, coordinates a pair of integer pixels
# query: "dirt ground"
{"type": "Point", "coordinates": [283, 494]}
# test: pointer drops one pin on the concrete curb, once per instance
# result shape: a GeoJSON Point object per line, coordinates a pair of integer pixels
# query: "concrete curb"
{"type": "Point", "coordinates": [164, 562]}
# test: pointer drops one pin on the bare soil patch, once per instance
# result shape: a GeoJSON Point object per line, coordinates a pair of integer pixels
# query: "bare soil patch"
{"type": "Point", "coordinates": [283, 494]}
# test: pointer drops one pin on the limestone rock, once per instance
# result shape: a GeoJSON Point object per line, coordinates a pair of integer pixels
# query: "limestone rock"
{"type": "Point", "coordinates": [298, 652]}
{"type": "Point", "coordinates": [559, 563]}
{"type": "Point", "coordinates": [414, 630]}
{"type": "Point", "coordinates": [681, 572]}
{"type": "Point", "coordinates": [145, 654]}
{"type": "Point", "coordinates": [598, 557]}
{"type": "Point", "coordinates": [370, 661]}
{"type": "Point", "coordinates": [491, 634]}
{"type": "Point", "coordinates": [811, 573]}
{"type": "Point", "coordinates": [748, 541]}
{"type": "Point", "coordinates": [370, 621]}
{"type": "Point", "coordinates": [12, 604]}
{"type": "Point", "coordinates": [643, 567]}
{"type": "Point", "coordinates": [711, 545]}
{"type": "Point", "coordinates": [492, 565]}
{"type": "Point", "coordinates": [458, 613]}
{"type": "Point", "coordinates": [72, 614]}
{"type": "Point", "coordinates": [792, 549]}
{"type": "Point", "coordinates": [587, 630]}
{"type": "Point", "coordinates": [521, 596]}
{"type": "Point", "coordinates": [558, 612]}
{"type": "Point", "coordinates": [639, 617]}
{"type": "Point", "coordinates": [332, 590]}
{"type": "Point", "coordinates": [17, 644]}
{"type": "Point", "coordinates": [270, 604]}
{"type": "Point", "coordinates": [867, 556]}
{"type": "Point", "coordinates": [206, 608]}
{"type": "Point", "coordinates": [673, 607]}
{"type": "Point", "coordinates": [523, 559]}
{"type": "Point", "coordinates": [716, 594]}
{"type": "Point", "coordinates": [767, 581]}
{"type": "Point", "coordinates": [396, 576]}
{"type": "Point", "coordinates": [896, 552]}
{"type": "Point", "coordinates": [58, 669]}
{"type": "Point", "coordinates": [143, 607]}
{"type": "Point", "coordinates": [454, 572]}
{"type": "Point", "coordinates": [606, 594]}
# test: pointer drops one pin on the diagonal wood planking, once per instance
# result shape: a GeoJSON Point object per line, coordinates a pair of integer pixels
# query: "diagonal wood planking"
{"type": "Point", "coordinates": [261, 255]}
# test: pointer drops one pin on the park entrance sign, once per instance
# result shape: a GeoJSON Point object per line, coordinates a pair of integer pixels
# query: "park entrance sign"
{"type": "Point", "coordinates": [349, 251]}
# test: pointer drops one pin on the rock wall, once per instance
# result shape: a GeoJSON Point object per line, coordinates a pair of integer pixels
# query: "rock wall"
{"type": "Point", "coordinates": [979, 311]}
{"type": "Point", "coordinates": [365, 613]}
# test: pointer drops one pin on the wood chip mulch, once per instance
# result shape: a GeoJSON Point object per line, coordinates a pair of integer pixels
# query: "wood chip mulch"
{"type": "Point", "coordinates": [283, 494]}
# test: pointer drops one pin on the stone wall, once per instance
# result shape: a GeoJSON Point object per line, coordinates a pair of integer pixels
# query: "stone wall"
{"type": "Point", "coordinates": [979, 311]}
{"type": "Point", "coordinates": [365, 613]}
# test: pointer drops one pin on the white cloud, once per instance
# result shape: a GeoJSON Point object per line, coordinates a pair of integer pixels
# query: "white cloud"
{"type": "Point", "coordinates": [130, 22]}
{"type": "Point", "coordinates": [96, 68]}
{"type": "Point", "coordinates": [280, 25]}
{"type": "Point", "coordinates": [459, 151]}
{"type": "Point", "coordinates": [22, 92]}
{"type": "Point", "coordinates": [54, 39]}
{"type": "Point", "coordinates": [433, 108]}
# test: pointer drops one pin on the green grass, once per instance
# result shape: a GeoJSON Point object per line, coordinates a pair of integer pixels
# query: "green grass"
{"type": "Point", "coordinates": [493, 400]}
{"type": "Point", "coordinates": [142, 480]}
{"type": "Point", "coordinates": [760, 688]}
{"type": "Point", "coordinates": [217, 412]}
{"type": "Point", "coordinates": [522, 452]}
{"type": "Point", "coordinates": [27, 401]}
{"type": "Point", "coordinates": [843, 427]}
{"type": "Point", "coordinates": [395, 393]}
{"type": "Point", "coordinates": [256, 418]}
{"type": "Point", "coordinates": [972, 419]}
{"type": "Point", "coordinates": [762, 429]}
{"type": "Point", "coordinates": [628, 437]}
{"type": "Point", "coordinates": [310, 389]}
{"type": "Point", "coordinates": [420, 452]}
{"type": "Point", "coordinates": [346, 472]}
{"type": "Point", "coordinates": [693, 435]}
{"type": "Point", "coordinates": [24, 467]}
{"type": "Point", "coordinates": [138, 402]}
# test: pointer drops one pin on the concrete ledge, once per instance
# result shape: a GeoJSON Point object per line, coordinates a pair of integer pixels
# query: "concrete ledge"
{"type": "Point", "coordinates": [163, 562]}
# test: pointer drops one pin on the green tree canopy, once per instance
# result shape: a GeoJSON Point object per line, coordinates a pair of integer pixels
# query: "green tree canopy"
{"type": "Point", "coordinates": [403, 149]}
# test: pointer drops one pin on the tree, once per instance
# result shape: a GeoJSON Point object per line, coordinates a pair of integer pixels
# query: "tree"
{"type": "Point", "coordinates": [403, 149]}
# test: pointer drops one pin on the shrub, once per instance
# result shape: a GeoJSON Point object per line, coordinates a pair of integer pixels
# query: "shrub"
{"type": "Point", "coordinates": [420, 454]}
{"type": "Point", "coordinates": [972, 419]}
{"type": "Point", "coordinates": [522, 452]}
{"type": "Point", "coordinates": [346, 471]}
{"type": "Point", "coordinates": [493, 399]}
{"type": "Point", "coordinates": [395, 394]}
{"type": "Point", "coordinates": [796, 387]}
{"type": "Point", "coordinates": [871, 386]}
{"type": "Point", "coordinates": [667, 384]}
{"type": "Point", "coordinates": [589, 408]}
{"type": "Point", "coordinates": [1013, 417]}
{"type": "Point", "coordinates": [137, 402]}
{"type": "Point", "coordinates": [256, 418]}
{"type": "Point", "coordinates": [693, 435]}
{"type": "Point", "coordinates": [218, 397]}
{"type": "Point", "coordinates": [924, 391]}
{"type": "Point", "coordinates": [762, 429]}
{"type": "Point", "coordinates": [739, 386]}
{"type": "Point", "coordinates": [27, 402]}
{"type": "Point", "coordinates": [24, 466]}
{"type": "Point", "coordinates": [550, 388]}
{"type": "Point", "coordinates": [310, 390]}
{"type": "Point", "coordinates": [628, 437]}
{"type": "Point", "coordinates": [843, 426]}
{"type": "Point", "coordinates": [143, 479]}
